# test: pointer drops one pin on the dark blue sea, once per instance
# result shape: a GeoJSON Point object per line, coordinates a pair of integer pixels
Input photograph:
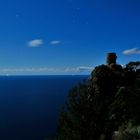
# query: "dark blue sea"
{"type": "Point", "coordinates": [30, 105]}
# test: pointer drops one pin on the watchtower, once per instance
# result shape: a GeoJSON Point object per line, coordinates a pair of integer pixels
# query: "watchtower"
{"type": "Point", "coordinates": [111, 58]}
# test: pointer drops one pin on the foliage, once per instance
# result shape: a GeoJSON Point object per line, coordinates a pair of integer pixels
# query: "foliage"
{"type": "Point", "coordinates": [133, 65]}
{"type": "Point", "coordinates": [126, 106]}
{"type": "Point", "coordinates": [96, 108]}
{"type": "Point", "coordinates": [125, 112]}
{"type": "Point", "coordinates": [132, 133]}
{"type": "Point", "coordinates": [129, 133]}
{"type": "Point", "coordinates": [76, 122]}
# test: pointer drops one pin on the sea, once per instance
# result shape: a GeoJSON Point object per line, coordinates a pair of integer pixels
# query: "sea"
{"type": "Point", "coordinates": [30, 105]}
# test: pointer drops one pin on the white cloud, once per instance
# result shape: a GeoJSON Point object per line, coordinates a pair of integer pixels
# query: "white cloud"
{"type": "Point", "coordinates": [84, 68]}
{"type": "Point", "coordinates": [35, 43]}
{"type": "Point", "coordinates": [46, 70]}
{"type": "Point", "coordinates": [79, 69]}
{"type": "Point", "coordinates": [131, 51]}
{"type": "Point", "coordinates": [55, 42]}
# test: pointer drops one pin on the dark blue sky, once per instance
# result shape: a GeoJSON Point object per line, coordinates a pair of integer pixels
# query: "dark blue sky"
{"type": "Point", "coordinates": [66, 36]}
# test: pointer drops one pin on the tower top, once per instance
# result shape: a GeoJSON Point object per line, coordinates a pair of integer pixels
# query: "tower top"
{"type": "Point", "coordinates": [111, 58]}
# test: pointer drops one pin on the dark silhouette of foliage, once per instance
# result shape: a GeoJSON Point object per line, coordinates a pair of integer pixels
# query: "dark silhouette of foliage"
{"type": "Point", "coordinates": [103, 104]}
{"type": "Point", "coordinates": [130, 133]}
{"type": "Point", "coordinates": [138, 72]}
{"type": "Point", "coordinates": [133, 65]}
{"type": "Point", "coordinates": [75, 122]}
{"type": "Point", "coordinates": [125, 112]}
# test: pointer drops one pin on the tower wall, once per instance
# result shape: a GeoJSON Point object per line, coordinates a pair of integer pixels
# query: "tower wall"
{"type": "Point", "coordinates": [111, 58]}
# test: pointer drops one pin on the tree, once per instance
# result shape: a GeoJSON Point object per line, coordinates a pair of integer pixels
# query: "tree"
{"type": "Point", "coordinates": [130, 133]}
{"type": "Point", "coordinates": [87, 107]}
{"type": "Point", "coordinates": [133, 66]}
{"type": "Point", "coordinates": [124, 112]}
{"type": "Point", "coordinates": [103, 104]}
{"type": "Point", "coordinates": [76, 119]}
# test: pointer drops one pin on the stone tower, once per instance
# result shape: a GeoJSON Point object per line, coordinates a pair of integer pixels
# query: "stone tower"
{"type": "Point", "coordinates": [111, 58]}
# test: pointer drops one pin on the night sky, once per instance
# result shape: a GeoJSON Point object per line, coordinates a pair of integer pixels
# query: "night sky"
{"type": "Point", "coordinates": [66, 36]}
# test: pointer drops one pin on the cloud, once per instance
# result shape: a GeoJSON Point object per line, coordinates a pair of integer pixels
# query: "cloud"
{"type": "Point", "coordinates": [131, 51]}
{"type": "Point", "coordinates": [28, 71]}
{"type": "Point", "coordinates": [84, 68]}
{"type": "Point", "coordinates": [46, 70]}
{"type": "Point", "coordinates": [55, 42]}
{"type": "Point", "coordinates": [35, 43]}
{"type": "Point", "coordinates": [79, 69]}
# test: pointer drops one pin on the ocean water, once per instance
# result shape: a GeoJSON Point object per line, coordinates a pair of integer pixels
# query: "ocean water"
{"type": "Point", "coordinates": [30, 105]}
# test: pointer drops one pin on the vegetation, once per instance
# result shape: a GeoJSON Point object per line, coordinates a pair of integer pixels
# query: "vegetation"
{"type": "Point", "coordinates": [108, 102]}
